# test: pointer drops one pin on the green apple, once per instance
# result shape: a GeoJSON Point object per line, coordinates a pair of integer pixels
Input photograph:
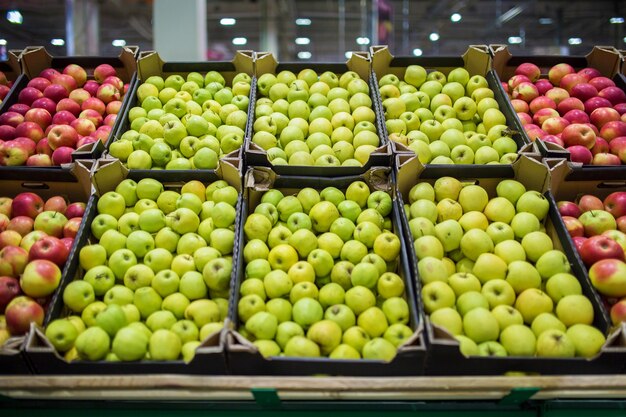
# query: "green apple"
{"type": "Point", "coordinates": [119, 295]}
{"type": "Point", "coordinates": [500, 232]}
{"type": "Point", "coordinates": [480, 325]}
{"type": "Point", "coordinates": [93, 344]}
{"type": "Point", "coordinates": [510, 251]}
{"type": "Point", "coordinates": [561, 285]}
{"type": "Point", "coordinates": [470, 300]}
{"type": "Point", "coordinates": [379, 349]}
{"type": "Point", "coordinates": [532, 302]}
{"type": "Point", "coordinates": [462, 282]}
{"type": "Point", "coordinates": [551, 263]}
{"type": "Point", "coordinates": [522, 275]}
{"type": "Point", "coordinates": [498, 292]}
{"type": "Point", "coordinates": [546, 321]}
{"type": "Point", "coordinates": [432, 269]}
{"type": "Point", "coordinates": [499, 209]}
{"type": "Point", "coordinates": [62, 334]}
{"type": "Point", "coordinates": [436, 295]}
{"type": "Point", "coordinates": [574, 309]}
{"type": "Point", "coordinates": [555, 343]}
{"type": "Point", "coordinates": [448, 319]}
{"type": "Point", "coordinates": [507, 316]}
{"type": "Point", "coordinates": [587, 340]}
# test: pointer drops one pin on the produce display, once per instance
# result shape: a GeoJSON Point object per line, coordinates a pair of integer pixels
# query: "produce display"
{"type": "Point", "coordinates": [155, 276]}
{"type": "Point", "coordinates": [184, 123]}
{"type": "Point", "coordinates": [492, 277]}
{"type": "Point", "coordinates": [36, 237]}
{"type": "Point", "coordinates": [310, 119]}
{"type": "Point", "coordinates": [446, 120]}
{"type": "Point", "coordinates": [581, 111]}
{"type": "Point", "coordinates": [58, 112]}
{"type": "Point", "coordinates": [598, 230]}
{"type": "Point", "coordinates": [320, 275]}
{"type": "Point", "coordinates": [5, 86]}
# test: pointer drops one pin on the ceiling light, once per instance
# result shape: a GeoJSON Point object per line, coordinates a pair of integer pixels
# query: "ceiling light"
{"type": "Point", "coordinates": [3, 42]}
{"type": "Point", "coordinates": [574, 41]}
{"type": "Point", "coordinates": [303, 41]}
{"type": "Point", "coordinates": [455, 17]}
{"type": "Point", "coordinates": [57, 42]}
{"type": "Point", "coordinates": [15, 17]}
{"type": "Point", "coordinates": [119, 42]}
{"type": "Point", "coordinates": [624, 39]}
{"type": "Point", "coordinates": [417, 52]}
{"type": "Point", "coordinates": [349, 53]}
{"type": "Point", "coordinates": [227, 21]}
{"type": "Point", "coordinates": [363, 40]}
{"type": "Point", "coordinates": [304, 55]}
{"type": "Point", "coordinates": [616, 20]}
{"type": "Point", "coordinates": [515, 40]}
{"type": "Point", "coordinates": [240, 41]}
{"type": "Point", "coordinates": [546, 21]}
{"type": "Point", "coordinates": [434, 36]}
{"type": "Point", "coordinates": [303, 22]}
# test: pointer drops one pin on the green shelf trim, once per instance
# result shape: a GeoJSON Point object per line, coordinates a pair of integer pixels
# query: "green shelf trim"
{"type": "Point", "coordinates": [266, 397]}
{"type": "Point", "coordinates": [519, 396]}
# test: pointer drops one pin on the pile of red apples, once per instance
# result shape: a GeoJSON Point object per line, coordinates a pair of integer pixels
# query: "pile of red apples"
{"type": "Point", "coordinates": [598, 230]}
{"type": "Point", "coordinates": [58, 112]}
{"type": "Point", "coordinates": [581, 111]}
{"type": "Point", "coordinates": [36, 237]}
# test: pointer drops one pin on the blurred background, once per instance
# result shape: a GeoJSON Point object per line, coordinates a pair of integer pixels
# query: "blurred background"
{"type": "Point", "coordinates": [314, 30]}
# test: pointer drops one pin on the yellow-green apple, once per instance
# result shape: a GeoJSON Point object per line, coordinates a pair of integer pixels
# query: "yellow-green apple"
{"type": "Point", "coordinates": [93, 344]}
{"type": "Point", "coordinates": [78, 295]}
{"type": "Point", "coordinates": [480, 325]}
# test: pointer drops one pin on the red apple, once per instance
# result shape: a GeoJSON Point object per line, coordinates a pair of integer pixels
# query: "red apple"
{"type": "Point", "coordinates": [84, 127]}
{"type": "Point", "coordinates": [40, 116]}
{"type": "Point", "coordinates": [600, 83]}
{"type": "Point", "coordinates": [505, 87]}
{"type": "Point", "coordinates": [75, 210]}
{"type": "Point", "coordinates": [569, 81]}
{"type": "Point", "coordinates": [613, 129]}
{"type": "Point", "coordinates": [62, 155]}
{"type": "Point", "coordinates": [617, 236]}
{"type": "Point", "coordinates": [542, 102]}
{"type": "Point", "coordinates": [601, 146]}
{"type": "Point", "coordinates": [69, 105]}
{"type": "Point", "coordinates": [39, 83]}
{"type": "Point", "coordinates": [102, 71]}
{"type": "Point", "coordinates": [573, 226]}
{"type": "Point", "coordinates": [542, 115]}
{"type": "Point", "coordinates": [92, 115]}
{"type": "Point", "coordinates": [19, 108]}
{"type": "Point", "coordinates": [27, 204]}
{"type": "Point", "coordinates": [620, 221]}
{"type": "Point", "coordinates": [11, 118]}
{"type": "Point", "coordinates": [557, 72]}
{"type": "Point", "coordinates": [524, 118]}
{"type": "Point", "coordinates": [515, 80]}
{"type": "Point", "coordinates": [62, 135]}
{"type": "Point", "coordinates": [13, 260]}
{"type": "Point", "coordinates": [607, 276]}
{"type": "Point", "coordinates": [56, 203]}
{"type": "Point", "coordinates": [10, 238]}
{"type": "Point", "coordinates": [20, 313]}
{"type": "Point", "coordinates": [43, 147]}
{"type": "Point", "coordinates": [557, 94]}
{"type": "Point", "coordinates": [595, 103]}
{"type": "Point", "coordinates": [615, 203]}
{"type": "Point", "coordinates": [27, 144]}
{"type": "Point", "coordinates": [48, 73]}
{"type": "Point", "coordinates": [553, 139]}
{"type": "Point", "coordinates": [45, 103]}
{"type": "Point", "coordinates": [79, 95]}
{"type": "Point", "coordinates": [602, 115]}
{"type": "Point", "coordinates": [578, 242]}
{"type": "Point", "coordinates": [543, 85]}
{"type": "Point", "coordinates": [530, 70]}
{"type": "Point", "coordinates": [71, 227]}
{"type": "Point", "coordinates": [570, 103]}
{"type": "Point", "coordinates": [39, 160]}
{"type": "Point", "coordinates": [621, 108]}
{"type": "Point", "coordinates": [554, 125]}
{"type": "Point", "coordinates": [30, 130]}
{"type": "Point", "coordinates": [114, 107]}
{"type": "Point", "coordinates": [614, 94]}
{"type": "Point", "coordinates": [605, 159]}
{"type": "Point", "coordinates": [618, 312]}
{"type": "Point", "coordinates": [525, 91]}
{"type": "Point", "coordinates": [50, 248]}
{"type": "Point", "coordinates": [108, 93]}
{"type": "Point", "coordinates": [103, 133]}
{"type": "Point", "coordinates": [600, 247]}
{"type": "Point", "coordinates": [576, 116]}
{"type": "Point", "coordinates": [520, 106]}
{"type": "Point", "coordinates": [9, 289]}
{"type": "Point", "coordinates": [68, 242]}
{"type": "Point", "coordinates": [21, 224]}
{"type": "Point", "coordinates": [28, 95]}
{"type": "Point", "coordinates": [534, 132]}
{"type": "Point", "coordinates": [116, 81]}
{"type": "Point", "coordinates": [66, 81]}
{"type": "Point", "coordinates": [589, 202]}
{"type": "Point", "coordinates": [584, 91]}
{"type": "Point", "coordinates": [13, 153]}
{"type": "Point", "coordinates": [569, 208]}
{"type": "Point", "coordinates": [578, 134]}
{"type": "Point", "coordinates": [109, 120]}
{"type": "Point", "coordinates": [94, 103]}
{"type": "Point", "coordinates": [580, 154]}
{"type": "Point", "coordinates": [56, 92]}
{"type": "Point", "coordinates": [7, 132]}
{"type": "Point", "coordinates": [77, 72]}
{"type": "Point", "coordinates": [91, 86]}
{"type": "Point", "coordinates": [63, 117]}
{"type": "Point", "coordinates": [86, 140]}
{"type": "Point", "coordinates": [589, 73]}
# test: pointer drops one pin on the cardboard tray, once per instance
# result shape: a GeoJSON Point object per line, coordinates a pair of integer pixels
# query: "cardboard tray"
{"type": "Point", "coordinates": [36, 58]}
{"type": "Point", "coordinates": [243, 356]}
{"type": "Point", "coordinates": [476, 60]}
{"type": "Point", "coordinates": [359, 63]}
{"type": "Point", "coordinates": [149, 64]}
{"type": "Point", "coordinates": [12, 69]}
{"type": "Point", "coordinates": [76, 187]}
{"type": "Point", "coordinates": [210, 358]}
{"type": "Point", "coordinates": [444, 356]}
{"type": "Point", "coordinates": [604, 58]}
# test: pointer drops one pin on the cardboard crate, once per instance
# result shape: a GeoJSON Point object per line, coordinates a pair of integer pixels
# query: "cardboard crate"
{"type": "Point", "coordinates": [266, 63]}
{"type": "Point", "coordinates": [606, 59]}
{"type": "Point", "coordinates": [444, 356]}
{"type": "Point", "coordinates": [12, 69]}
{"type": "Point", "coordinates": [75, 186]}
{"type": "Point", "coordinates": [36, 58]}
{"type": "Point", "coordinates": [210, 357]}
{"type": "Point", "coordinates": [476, 60]}
{"type": "Point", "coordinates": [245, 359]}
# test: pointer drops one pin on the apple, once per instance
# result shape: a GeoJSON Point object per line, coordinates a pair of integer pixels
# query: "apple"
{"type": "Point", "coordinates": [51, 249]}
{"type": "Point", "coordinates": [9, 289]}
{"type": "Point", "coordinates": [21, 312]}
{"type": "Point", "coordinates": [607, 275]}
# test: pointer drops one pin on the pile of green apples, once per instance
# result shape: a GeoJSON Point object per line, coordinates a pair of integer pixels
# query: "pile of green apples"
{"type": "Point", "coordinates": [324, 120]}
{"type": "Point", "coordinates": [446, 120]}
{"type": "Point", "coordinates": [491, 275]}
{"type": "Point", "coordinates": [184, 123]}
{"type": "Point", "coordinates": [155, 276]}
{"type": "Point", "coordinates": [320, 275]}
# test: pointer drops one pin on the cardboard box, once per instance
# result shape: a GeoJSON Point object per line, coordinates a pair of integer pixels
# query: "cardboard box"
{"type": "Point", "coordinates": [75, 186]}
{"type": "Point", "coordinates": [243, 356]}
{"type": "Point", "coordinates": [210, 357]}
{"type": "Point", "coordinates": [266, 63]}
{"type": "Point", "coordinates": [36, 58]}
{"type": "Point", "coordinates": [476, 60]}
{"type": "Point", "coordinates": [606, 59]}
{"type": "Point", "coordinates": [12, 70]}
{"type": "Point", "coordinates": [151, 64]}
{"type": "Point", "coordinates": [444, 356]}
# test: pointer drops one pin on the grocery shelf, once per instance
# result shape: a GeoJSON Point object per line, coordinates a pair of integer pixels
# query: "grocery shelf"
{"type": "Point", "coordinates": [164, 395]}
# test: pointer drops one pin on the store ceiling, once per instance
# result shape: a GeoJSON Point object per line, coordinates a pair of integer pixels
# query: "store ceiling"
{"type": "Point", "coordinates": [410, 24]}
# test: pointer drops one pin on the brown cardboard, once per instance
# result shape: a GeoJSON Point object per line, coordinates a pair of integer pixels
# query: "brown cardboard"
{"type": "Point", "coordinates": [564, 188]}
{"type": "Point", "coordinates": [359, 62]}
{"type": "Point", "coordinates": [150, 63]}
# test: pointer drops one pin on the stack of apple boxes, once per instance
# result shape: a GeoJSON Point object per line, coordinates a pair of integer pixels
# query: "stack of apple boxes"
{"type": "Point", "coordinates": [391, 168]}
{"type": "Point", "coordinates": [70, 181]}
